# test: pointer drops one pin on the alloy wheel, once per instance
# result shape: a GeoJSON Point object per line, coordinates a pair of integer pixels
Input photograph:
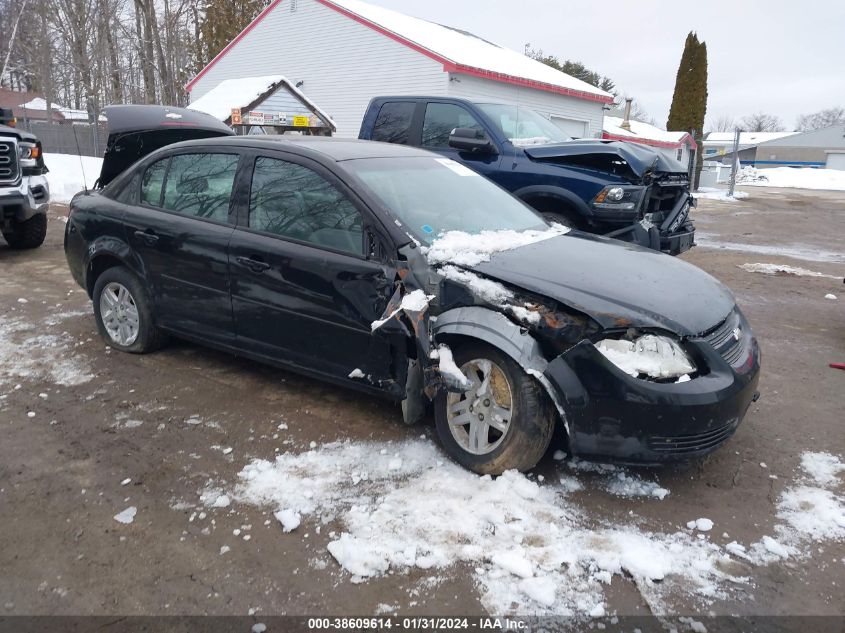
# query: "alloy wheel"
{"type": "Point", "coordinates": [119, 314]}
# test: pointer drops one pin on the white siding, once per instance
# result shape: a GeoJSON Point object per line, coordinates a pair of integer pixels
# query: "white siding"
{"type": "Point", "coordinates": [546, 103]}
{"type": "Point", "coordinates": [343, 63]}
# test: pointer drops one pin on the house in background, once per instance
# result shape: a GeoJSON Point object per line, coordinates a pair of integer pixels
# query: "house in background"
{"type": "Point", "coordinates": [342, 53]}
{"type": "Point", "coordinates": [20, 104]}
{"type": "Point", "coordinates": [719, 144]}
{"type": "Point", "coordinates": [678, 145]}
{"type": "Point", "coordinates": [823, 148]}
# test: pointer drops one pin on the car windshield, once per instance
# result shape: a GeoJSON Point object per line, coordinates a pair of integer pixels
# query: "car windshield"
{"type": "Point", "coordinates": [432, 196]}
{"type": "Point", "coordinates": [523, 126]}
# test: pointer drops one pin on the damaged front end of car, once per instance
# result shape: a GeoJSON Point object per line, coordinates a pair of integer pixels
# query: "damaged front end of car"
{"type": "Point", "coordinates": [625, 389]}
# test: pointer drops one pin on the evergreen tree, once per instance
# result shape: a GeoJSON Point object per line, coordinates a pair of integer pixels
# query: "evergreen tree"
{"type": "Point", "coordinates": [575, 69]}
{"type": "Point", "coordinates": [689, 103]}
{"type": "Point", "coordinates": [222, 23]}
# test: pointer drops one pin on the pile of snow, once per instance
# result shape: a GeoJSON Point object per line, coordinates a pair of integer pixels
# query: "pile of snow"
{"type": "Point", "coordinates": [613, 479]}
{"type": "Point", "coordinates": [39, 350]}
{"type": "Point", "coordinates": [66, 174]}
{"type": "Point", "coordinates": [467, 249]}
{"type": "Point", "coordinates": [810, 512]}
{"type": "Point", "coordinates": [711, 193]}
{"type": "Point", "coordinates": [797, 178]}
{"type": "Point", "coordinates": [533, 551]}
{"type": "Point", "coordinates": [784, 269]}
{"type": "Point", "coordinates": [651, 355]}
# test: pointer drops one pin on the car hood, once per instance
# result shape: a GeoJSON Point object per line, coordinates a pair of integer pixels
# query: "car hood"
{"type": "Point", "coordinates": [138, 130]}
{"type": "Point", "coordinates": [616, 284]}
{"type": "Point", "coordinates": [639, 159]}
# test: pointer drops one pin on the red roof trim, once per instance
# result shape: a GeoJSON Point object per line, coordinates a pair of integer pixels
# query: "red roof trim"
{"type": "Point", "coordinates": [448, 65]}
{"type": "Point", "coordinates": [652, 142]}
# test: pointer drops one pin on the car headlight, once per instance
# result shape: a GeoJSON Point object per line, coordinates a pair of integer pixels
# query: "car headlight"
{"type": "Point", "coordinates": [29, 153]}
{"type": "Point", "coordinates": [619, 198]}
{"type": "Point", "coordinates": [657, 357]}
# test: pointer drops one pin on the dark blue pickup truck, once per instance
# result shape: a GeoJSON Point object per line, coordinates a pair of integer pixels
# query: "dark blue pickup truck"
{"type": "Point", "coordinates": [622, 190]}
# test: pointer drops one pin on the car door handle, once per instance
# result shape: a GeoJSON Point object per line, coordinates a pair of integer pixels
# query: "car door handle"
{"type": "Point", "coordinates": [255, 265]}
{"type": "Point", "coordinates": [148, 237]}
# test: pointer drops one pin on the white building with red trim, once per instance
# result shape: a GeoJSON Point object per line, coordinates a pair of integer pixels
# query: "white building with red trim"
{"type": "Point", "coordinates": [678, 145]}
{"type": "Point", "coordinates": [342, 53]}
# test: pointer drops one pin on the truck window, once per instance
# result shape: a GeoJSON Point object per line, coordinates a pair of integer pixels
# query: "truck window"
{"type": "Point", "coordinates": [393, 124]}
{"type": "Point", "coordinates": [441, 119]}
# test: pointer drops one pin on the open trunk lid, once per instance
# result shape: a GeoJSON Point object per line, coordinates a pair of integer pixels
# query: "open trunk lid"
{"type": "Point", "coordinates": [137, 130]}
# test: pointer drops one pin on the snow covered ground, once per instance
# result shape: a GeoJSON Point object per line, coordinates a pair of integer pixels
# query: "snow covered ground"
{"type": "Point", "coordinates": [393, 507]}
{"type": "Point", "coordinates": [713, 193]}
{"type": "Point", "coordinates": [66, 174]}
{"type": "Point", "coordinates": [831, 179]}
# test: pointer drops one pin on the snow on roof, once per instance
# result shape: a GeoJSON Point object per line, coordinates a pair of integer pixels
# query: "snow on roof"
{"type": "Point", "coordinates": [71, 114]}
{"type": "Point", "coordinates": [745, 138]}
{"type": "Point", "coordinates": [239, 93]}
{"type": "Point", "coordinates": [465, 49]}
{"type": "Point", "coordinates": [233, 93]}
{"type": "Point", "coordinates": [641, 131]}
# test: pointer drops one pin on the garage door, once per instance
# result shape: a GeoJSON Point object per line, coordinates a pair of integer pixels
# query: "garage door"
{"type": "Point", "coordinates": [836, 161]}
{"type": "Point", "coordinates": [575, 129]}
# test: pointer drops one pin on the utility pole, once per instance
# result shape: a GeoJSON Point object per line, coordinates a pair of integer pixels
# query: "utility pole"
{"type": "Point", "coordinates": [735, 166]}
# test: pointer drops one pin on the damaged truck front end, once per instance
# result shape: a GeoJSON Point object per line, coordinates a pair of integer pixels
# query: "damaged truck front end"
{"type": "Point", "coordinates": [649, 205]}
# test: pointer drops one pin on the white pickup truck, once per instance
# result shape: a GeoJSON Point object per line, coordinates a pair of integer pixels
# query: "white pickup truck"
{"type": "Point", "coordinates": [24, 191]}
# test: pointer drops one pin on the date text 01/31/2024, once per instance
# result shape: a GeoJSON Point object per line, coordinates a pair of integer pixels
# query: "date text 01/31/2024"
{"type": "Point", "coordinates": [416, 624]}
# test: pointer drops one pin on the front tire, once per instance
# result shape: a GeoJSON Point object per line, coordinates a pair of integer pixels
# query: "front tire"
{"type": "Point", "coordinates": [504, 422]}
{"type": "Point", "coordinates": [27, 234]}
{"type": "Point", "coordinates": [123, 312]}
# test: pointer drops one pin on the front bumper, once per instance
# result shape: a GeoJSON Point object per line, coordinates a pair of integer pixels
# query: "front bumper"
{"type": "Point", "coordinates": [613, 415]}
{"type": "Point", "coordinates": [22, 201]}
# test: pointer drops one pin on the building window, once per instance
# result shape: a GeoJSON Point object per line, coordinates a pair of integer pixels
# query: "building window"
{"type": "Point", "coordinates": [393, 124]}
{"type": "Point", "coordinates": [680, 153]}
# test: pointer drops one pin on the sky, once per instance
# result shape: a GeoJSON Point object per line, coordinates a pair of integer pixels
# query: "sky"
{"type": "Point", "coordinates": [783, 57]}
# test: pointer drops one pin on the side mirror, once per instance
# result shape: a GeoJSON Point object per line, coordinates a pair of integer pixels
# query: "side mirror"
{"type": "Point", "coordinates": [467, 139]}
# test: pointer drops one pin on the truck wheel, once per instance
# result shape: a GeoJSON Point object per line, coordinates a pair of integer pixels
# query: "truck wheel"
{"type": "Point", "coordinates": [123, 312]}
{"type": "Point", "coordinates": [503, 422]}
{"type": "Point", "coordinates": [560, 218]}
{"type": "Point", "coordinates": [29, 233]}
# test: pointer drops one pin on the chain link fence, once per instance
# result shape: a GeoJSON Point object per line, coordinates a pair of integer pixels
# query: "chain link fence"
{"type": "Point", "coordinates": [67, 138]}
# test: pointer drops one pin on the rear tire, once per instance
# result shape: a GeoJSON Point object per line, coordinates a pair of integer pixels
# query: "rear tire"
{"type": "Point", "coordinates": [530, 416]}
{"type": "Point", "coordinates": [28, 234]}
{"type": "Point", "coordinates": [123, 312]}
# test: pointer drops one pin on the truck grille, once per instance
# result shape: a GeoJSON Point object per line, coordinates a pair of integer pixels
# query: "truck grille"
{"type": "Point", "coordinates": [726, 343]}
{"type": "Point", "coordinates": [9, 172]}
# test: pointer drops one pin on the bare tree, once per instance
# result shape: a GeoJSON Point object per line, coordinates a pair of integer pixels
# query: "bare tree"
{"type": "Point", "coordinates": [761, 122]}
{"type": "Point", "coordinates": [821, 119]}
{"type": "Point", "coordinates": [724, 123]}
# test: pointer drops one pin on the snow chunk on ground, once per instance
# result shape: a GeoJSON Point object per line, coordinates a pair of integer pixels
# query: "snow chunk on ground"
{"type": "Point", "coordinates": [831, 179]}
{"type": "Point", "coordinates": [702, 525]}
{"type": "Point", "coordinates": [823, 467]}
{"type": "Point", "coordinates": [784, 269]}
{"type": "Point", "coordinates": [127, 516]}
{"type": "Point", "coordinates": [427, 514]}
{"type": "Point", "coordinates": [711, 193]}
{"type": "Point", "coordinates": [832, 297]}
{"type": "Point", "coordinates": [290, 519]}
{"type": "Point", "coordinates": [649, 355]}
{"type": "Point", "coordinates": [466, 249]}
{"type": "Point", "coordinates": [624, 485]}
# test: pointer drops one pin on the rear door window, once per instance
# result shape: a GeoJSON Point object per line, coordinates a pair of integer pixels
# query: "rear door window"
{"type": "Point", "coordinates": [201, 185]}
{"type": "Point", "coordinates": [393, 124]}
{"type": "Point", "coordinates": [296, 202]}
{"type": "Point", "coordinates": [152, 184]}
{"type": "Point", "coordinates": [441, 119]}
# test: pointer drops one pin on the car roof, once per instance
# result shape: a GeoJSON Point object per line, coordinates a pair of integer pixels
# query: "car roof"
{"type": "Point", "coordinates": [335, 149]}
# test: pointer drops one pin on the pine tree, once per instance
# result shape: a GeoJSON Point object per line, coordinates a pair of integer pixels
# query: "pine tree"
{"type": "Point", "coordinates": [222, 22]}
{"type": "Point", "coordinates": [689, 103]}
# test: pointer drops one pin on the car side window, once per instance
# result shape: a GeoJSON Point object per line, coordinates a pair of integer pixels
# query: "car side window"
{"type": "Point", "coordinates": [153, 182]}
{"type": "Point", "coordinates": [201, 185]}
{"type": "Point", "coordinates": [441, 119]}
{"type": "Point", "coordinates": [293, 201]}
{"type": "Point", "coordinates": [393, 124]}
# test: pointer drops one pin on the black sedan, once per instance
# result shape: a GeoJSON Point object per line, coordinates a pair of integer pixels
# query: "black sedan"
{"type": "Point", "coordinates": [402, 273]}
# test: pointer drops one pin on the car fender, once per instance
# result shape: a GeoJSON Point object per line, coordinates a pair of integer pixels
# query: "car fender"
{"type": "Point", "coordinates": [559, 193]}
{"type": "Point", "coordinates": [112, 247]}
{"type": "Point", "coordinates": [497, 330]}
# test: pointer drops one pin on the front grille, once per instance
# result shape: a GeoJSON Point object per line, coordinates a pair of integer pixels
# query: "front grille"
{"type": "Point", "coordinates": [9, 172]}
{"type": "Point", "coordinates": [691, 443]}
{"type": "Point", "coordinates": [726, 343]}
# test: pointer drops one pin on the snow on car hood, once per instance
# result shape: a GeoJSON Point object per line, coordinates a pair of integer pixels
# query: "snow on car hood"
{"type": "Point", "coordinates": [638, 158]}
{"type": "Point", "coordinates": [616, 284]}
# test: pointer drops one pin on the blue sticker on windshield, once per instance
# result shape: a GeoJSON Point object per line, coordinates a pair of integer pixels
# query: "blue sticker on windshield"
{"type": "Point", "coordinates": [427, 229]}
